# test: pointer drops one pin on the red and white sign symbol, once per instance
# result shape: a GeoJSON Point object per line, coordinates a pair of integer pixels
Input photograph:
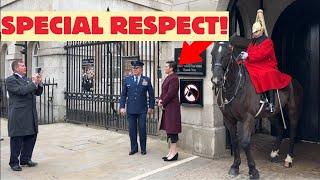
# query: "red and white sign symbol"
{"type": "Point", "coordinates": [191, 93]}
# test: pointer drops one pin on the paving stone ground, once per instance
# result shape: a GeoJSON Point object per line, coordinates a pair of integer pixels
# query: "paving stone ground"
{"type": "Point", "coordinates": [70, 151]}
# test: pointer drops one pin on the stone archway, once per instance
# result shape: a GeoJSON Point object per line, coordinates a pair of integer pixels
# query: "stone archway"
{"type": "Point", "coordinates": [248, 10]}
{"type": "Point", "coordinates": [284, 20]}
{"type": "Point", "coordinates": [33, 48]}
{"type": "Point", "coordinates": [297, 47]}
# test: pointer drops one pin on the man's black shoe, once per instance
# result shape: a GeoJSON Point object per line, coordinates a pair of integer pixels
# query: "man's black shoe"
{"type": "Point", "coordinates": [16, 168]}
{"type": "Point", "coordinates": [143, 152]}
{"type": "Point", "coordinates": [29, 164]}
{"type": "Point", "coordinates": [132, 152]}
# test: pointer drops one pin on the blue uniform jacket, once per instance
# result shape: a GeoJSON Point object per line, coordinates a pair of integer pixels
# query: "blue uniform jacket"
{"type": "Point", "coordinates": [136, 95]}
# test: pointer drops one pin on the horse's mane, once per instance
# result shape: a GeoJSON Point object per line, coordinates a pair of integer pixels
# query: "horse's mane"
{"type": "Point", "coordinates": [239, 42]}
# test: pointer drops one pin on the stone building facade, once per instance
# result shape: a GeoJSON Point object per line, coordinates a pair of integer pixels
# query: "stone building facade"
{"type": "Point", "coordinates": [203, 132]}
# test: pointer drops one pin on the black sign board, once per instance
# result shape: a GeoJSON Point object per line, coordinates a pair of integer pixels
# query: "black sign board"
{"type": "Point", "coordinates": [198, 69]}
{"type": "Point", "coordinates": [191, 92]}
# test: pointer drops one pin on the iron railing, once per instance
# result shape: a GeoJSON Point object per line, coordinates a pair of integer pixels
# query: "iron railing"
{"type": "Point", "coordinates": [95, 74]}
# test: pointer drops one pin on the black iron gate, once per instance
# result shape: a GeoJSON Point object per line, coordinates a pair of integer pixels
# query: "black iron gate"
{"type": "Point", "coordinates": [45, 106]}
{"type": "Point", "coordinates": [95, 72]}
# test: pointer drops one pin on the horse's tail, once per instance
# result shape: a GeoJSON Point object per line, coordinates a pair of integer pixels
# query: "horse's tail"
{"type": "Point", "coordinates": [296, 96]}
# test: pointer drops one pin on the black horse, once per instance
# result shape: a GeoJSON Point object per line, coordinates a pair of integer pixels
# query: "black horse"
{"type": "Point", "coordinates": [239, 102]}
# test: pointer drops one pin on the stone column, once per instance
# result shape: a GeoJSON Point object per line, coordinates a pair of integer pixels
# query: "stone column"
{"type": "Point", "coordinates": [53, 60]}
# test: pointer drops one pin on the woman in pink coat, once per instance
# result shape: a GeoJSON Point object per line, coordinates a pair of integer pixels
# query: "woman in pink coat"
{"type": "Point", "coordinates": [171, 115]}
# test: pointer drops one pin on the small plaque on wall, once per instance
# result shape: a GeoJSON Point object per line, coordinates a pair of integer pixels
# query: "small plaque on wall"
{"type": "Point", "coordinates": [191, 92]}
{"type": "Point", "coordinates": [198, 69]}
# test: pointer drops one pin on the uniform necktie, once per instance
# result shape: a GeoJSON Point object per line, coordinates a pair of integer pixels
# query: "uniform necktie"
{"type": "Point", "coordinates": [136, 79]}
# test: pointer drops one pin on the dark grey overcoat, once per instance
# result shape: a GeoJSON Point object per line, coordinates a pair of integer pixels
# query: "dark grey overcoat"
{"type": "Point", "coordinates": [22, 115]}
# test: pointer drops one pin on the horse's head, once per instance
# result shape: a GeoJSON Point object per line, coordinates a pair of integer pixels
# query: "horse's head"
{"type": "Point", "coordinates": [221, 55]}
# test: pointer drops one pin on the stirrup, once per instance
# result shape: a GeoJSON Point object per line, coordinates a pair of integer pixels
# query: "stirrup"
{"type": "Point", "coordinates": [271, 108]}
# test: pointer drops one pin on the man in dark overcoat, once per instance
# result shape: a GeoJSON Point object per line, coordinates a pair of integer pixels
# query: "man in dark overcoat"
{"type": "Point", "coordinates": [134, 94]}
{"type": "Point", "coordinates": [22, 115]}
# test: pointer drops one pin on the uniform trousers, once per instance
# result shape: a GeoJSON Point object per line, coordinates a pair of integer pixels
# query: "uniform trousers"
{"type": "Point", "coordinates": [138, 121]}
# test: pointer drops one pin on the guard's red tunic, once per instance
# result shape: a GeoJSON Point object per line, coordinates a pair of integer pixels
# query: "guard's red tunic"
{"type": "Point", "coordinates": [262, 67]}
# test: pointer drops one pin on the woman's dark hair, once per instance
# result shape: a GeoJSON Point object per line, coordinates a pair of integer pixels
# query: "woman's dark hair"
{"type": "Point", "coordinates": [173, 65]}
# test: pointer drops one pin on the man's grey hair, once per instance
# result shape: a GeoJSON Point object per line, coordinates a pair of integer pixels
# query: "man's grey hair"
{"type": "Point", "coordinates": [15, 64]}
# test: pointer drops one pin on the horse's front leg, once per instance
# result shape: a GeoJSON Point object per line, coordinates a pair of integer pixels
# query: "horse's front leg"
{"type": "Point", "coordinates": [247, 129]}
{"type": "Point", "coordinates": [232, 127]}
{"type": "Point", "coordinates": [274, 155]}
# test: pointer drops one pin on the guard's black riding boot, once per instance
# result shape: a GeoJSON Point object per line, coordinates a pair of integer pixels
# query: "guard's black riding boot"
{"type": "Point", "coordinates": [271, 95]}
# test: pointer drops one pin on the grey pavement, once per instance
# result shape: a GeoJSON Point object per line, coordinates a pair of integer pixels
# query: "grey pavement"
{"type": "Point", "coordinates": [70, 151]}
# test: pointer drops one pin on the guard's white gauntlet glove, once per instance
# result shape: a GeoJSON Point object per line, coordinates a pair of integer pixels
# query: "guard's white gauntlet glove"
{"type": "Point", "coordinates": [243, 55]}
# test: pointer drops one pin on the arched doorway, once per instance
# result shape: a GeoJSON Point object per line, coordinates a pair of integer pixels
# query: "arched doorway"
{"type": "Point", "coordinates": [35, 59]}
{"type": "Point", "coordinates": [296, 40]}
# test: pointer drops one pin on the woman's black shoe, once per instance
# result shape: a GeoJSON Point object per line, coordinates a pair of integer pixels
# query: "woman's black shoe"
{"type": "Point", "coordinates": [175, 157]}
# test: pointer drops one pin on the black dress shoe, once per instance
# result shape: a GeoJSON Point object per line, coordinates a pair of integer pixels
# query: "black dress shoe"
{"type": "Point", "coordinates": [29, 164]}
{"type": "Point", "coordinates": [143, 152]}
{"type": "Point", "coordinates": [132, 152]}
{"type": "Point", "coordinates": [175, 157]}
{"type": "Point", "coordinates": [16, 168]}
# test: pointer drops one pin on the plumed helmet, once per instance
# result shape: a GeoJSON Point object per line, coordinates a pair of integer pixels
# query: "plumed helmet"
{"type": "Point", "coordinates": [257, 27]}
{"type": "Point", "coordinates": [259, 23]}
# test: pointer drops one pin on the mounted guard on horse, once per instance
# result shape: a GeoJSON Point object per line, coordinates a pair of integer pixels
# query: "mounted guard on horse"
{"type": "Point", "coordinates": [261, 63]}
{"type": "Point", "coordinates": [241, 80]}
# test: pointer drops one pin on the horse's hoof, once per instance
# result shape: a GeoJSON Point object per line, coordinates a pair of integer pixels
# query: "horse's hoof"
{"type": "Point", "coordinates": [288, 161]}
{"type": "Point", "coordinates": [288, 164]}
{"type": "Point", "coordinates": [233, 171]}
{"type": "Point", "coordinates": [254, 174]}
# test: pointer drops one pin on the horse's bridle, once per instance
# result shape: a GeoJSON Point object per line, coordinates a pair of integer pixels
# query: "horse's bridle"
{"type": "Point", "coordinates": [240, 74]}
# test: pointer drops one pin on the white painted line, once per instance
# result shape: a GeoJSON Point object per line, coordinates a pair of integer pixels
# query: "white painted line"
{"type": "Point", "coordinates": [164, 168]}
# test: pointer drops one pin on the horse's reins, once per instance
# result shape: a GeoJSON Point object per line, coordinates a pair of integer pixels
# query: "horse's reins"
{"type": "Point", "coordinates": [226, 101]}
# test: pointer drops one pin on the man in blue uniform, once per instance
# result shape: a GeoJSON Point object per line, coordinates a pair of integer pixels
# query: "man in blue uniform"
{"type": "Point", "coordinates": [134, 93]}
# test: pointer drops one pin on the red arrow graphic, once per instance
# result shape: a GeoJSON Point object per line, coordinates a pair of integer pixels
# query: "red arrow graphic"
{"type": "Point", "coordinates": [190, 54]}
